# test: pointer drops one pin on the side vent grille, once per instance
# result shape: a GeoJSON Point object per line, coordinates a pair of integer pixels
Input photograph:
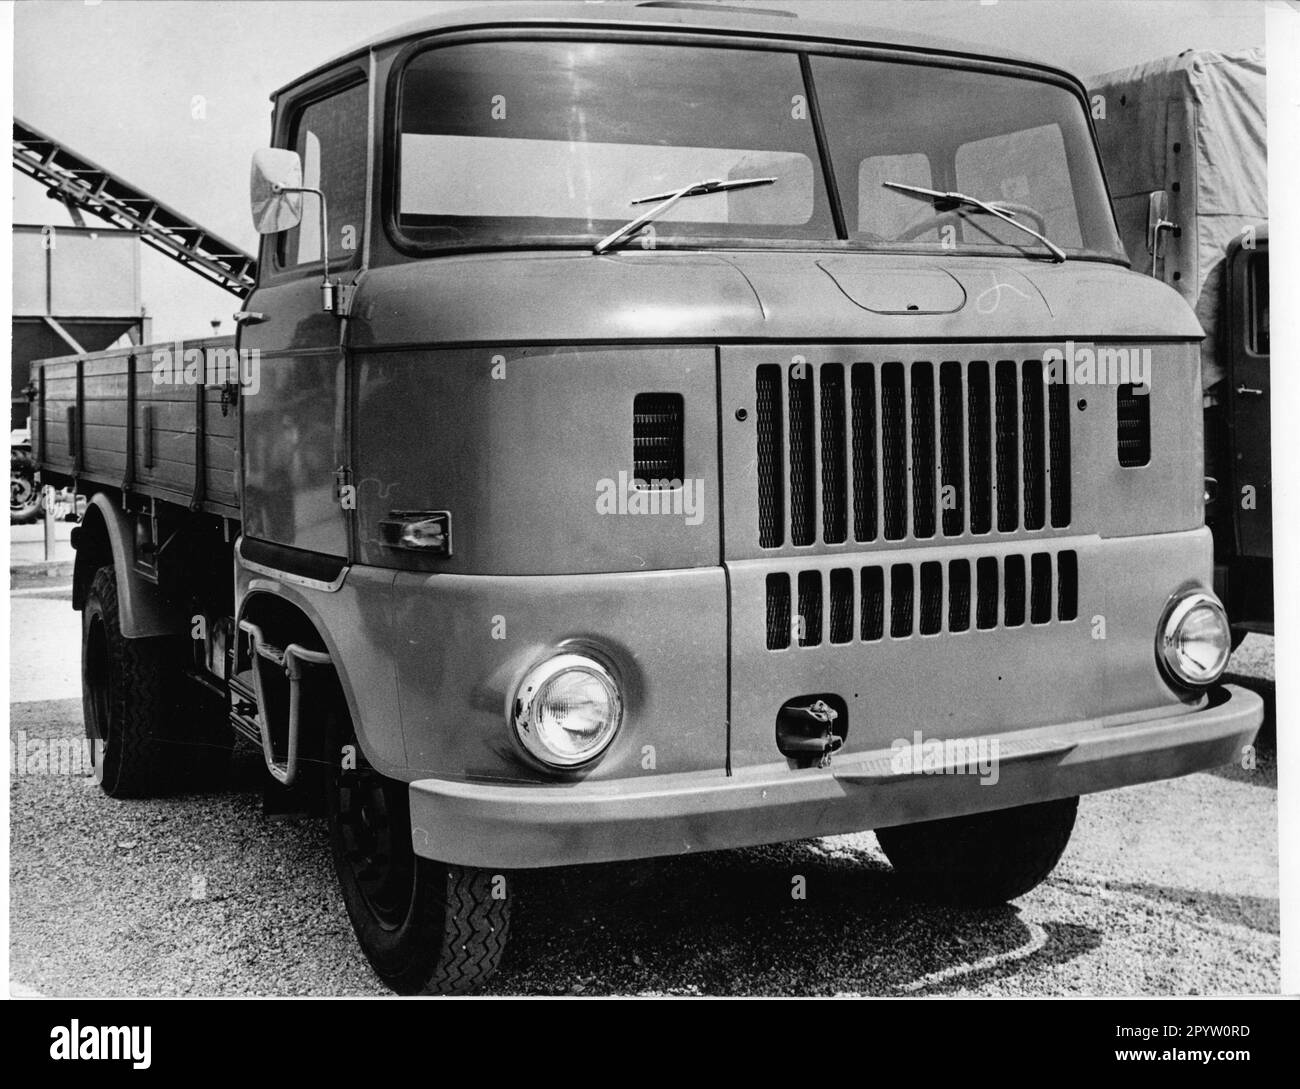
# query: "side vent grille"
{"type": "Point", "coordinates": [658, 450]}
{"type": "Point", "coordinates": [1134, 425]}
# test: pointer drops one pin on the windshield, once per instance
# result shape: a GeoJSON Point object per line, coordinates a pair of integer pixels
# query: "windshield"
{"type": "Point", "coordinates": [1020, 143]}
{"type": "Point", "coordinates": [517, 141]}
{"type": "Point", "coordinates": [548, 142]}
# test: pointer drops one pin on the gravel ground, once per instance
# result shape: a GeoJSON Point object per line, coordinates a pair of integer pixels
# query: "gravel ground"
{"type": "Point", "coordinates": [1167, 888]}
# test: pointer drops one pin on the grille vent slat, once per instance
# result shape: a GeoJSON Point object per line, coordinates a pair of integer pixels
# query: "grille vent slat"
{"type": "Point", "coordinates": [981, 478]}
{"type": "Point", "coordinates": [1013, 601]}
{"type": "Point", "coordinates": [959, 595]}
{"type": "Point", "coordinates": [1006, 445]}
{"type": "Point", "coordinates": [917, 599]}
{"type": "Point", "coordinates": [931, 598]}
{"type": "Point", "coordinates": [864, 451]}
{"type": "Point", "coordinates": [923, 451]}
{"type": "Point", "coordinates": [900, 600]}
{"type": "Point", "coordinates": [950, 435]}
{"type": "Point", "coordinates": [834, 472]}
{"type": "Point", "coordinates": [1032, 451]}
{"type": "Point", "coordinates": [842, 606]}
{"type": "Point", "coordinates": [986, 605]}
{"type": "Point", "coordinates": [778, 611]}
{"type": "Point", "coordinates": [802, 454]}
{"type": "Point", "coordinates": [810, 608]}
{"type": "Point", "coordinates": [1067, 594]}
{"type": "Point", "coordinates": [771, 497]}
{"type": "Point", "coordinates": [893, 435]}
{"type": "Point", "coordinates": [873, 604]}
{"type": "Point", "coordinates": [1040, 588]}
{"type": "Point", "coordinates": [1058, 438]}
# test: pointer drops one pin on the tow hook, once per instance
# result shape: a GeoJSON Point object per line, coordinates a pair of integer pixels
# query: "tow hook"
{"type": "Point", "coordinates": [808, 732]}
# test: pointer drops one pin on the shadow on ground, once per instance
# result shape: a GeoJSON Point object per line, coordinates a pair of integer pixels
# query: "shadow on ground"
{"type": "Point", "coordinates": [1260, 913]}
{"type": "Point", "coordinates": [727, 923]}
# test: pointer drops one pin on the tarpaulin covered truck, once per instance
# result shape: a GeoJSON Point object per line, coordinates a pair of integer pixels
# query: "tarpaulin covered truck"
{"type": "Point", "coordinates": [1183, 141]}
{"type": "Point", "coordinates": [657, 430]}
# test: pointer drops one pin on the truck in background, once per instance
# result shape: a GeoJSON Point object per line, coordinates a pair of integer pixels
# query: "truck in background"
{"type": "Point", "coordinates": [1183, 141]}
{"type": "Point", "coordinates": [645, 436]}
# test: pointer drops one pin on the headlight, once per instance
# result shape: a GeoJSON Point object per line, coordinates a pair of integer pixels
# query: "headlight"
{"type": "Point", "coordinates": [567, 710]}
{"type": "Point", "coordinates": [1195, 639]}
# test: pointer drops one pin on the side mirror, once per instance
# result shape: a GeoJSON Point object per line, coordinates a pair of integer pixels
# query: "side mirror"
{"type": "Point", "coordinates": [275, 190]}
{"type": "Point", "coordinates": [1157, 221]}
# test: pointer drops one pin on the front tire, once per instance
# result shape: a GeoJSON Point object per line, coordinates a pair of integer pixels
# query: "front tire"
{"type": "Point", "coordinates": [984, 859]}
{"type": "Point", "coordinates": [426, 927]}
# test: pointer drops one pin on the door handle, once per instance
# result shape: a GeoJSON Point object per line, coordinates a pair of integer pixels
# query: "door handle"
{"type": "Point", "coordinates": [1249, 391]}
{"type": "Point", "coordinates": [249, 317]}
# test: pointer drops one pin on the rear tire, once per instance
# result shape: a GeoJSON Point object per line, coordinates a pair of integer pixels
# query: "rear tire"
{"type": "Point", "coordinates": [123, 684]}
{"type": "Point", "coordinates": [24, 493]}
{"type": "Point", "coordinates": [426, 927]}
{"type": "Point", "coordinates": [984, 859]}
{"type": "Point", "coordinates": [136, 703]}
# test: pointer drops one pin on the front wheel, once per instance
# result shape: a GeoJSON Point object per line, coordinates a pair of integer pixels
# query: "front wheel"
{"type": "Point", "coordinates": [426, 927]}
{"type": "Point", "coordinates": [984, 859]}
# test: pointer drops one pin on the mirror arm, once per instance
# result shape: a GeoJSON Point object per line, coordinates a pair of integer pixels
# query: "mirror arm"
{"type": "Point", "coordinates": [327, 287]}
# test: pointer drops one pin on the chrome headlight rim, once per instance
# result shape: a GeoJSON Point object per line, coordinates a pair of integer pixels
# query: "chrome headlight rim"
{"type": "Point", "coordinates": [529, 695]}
{"type": "Point", "coordinates": [1167, 654]}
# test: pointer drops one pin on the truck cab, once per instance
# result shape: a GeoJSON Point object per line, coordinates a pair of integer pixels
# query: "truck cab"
{"type": "Point", "coordinates": [680, 430]}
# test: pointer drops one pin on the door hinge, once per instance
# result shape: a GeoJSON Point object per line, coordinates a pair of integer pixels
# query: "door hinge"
{"type": "Point", "coordinates": [229, 397]}
{"type": "Point", "coordinates": [343, 490]}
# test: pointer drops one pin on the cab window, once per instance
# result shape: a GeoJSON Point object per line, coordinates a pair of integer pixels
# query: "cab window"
{"type": "Point", "coordinates": [330, 137]}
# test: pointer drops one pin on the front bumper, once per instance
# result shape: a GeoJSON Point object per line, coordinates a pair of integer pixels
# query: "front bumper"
{"type": "Point", "coordinates": [519, 827]}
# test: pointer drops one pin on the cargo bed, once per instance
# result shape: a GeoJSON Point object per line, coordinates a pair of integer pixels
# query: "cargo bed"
{"type": "Point", "coordinates": [132, 419]}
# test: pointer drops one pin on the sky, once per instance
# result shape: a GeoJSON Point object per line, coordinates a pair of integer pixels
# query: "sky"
{"type": "Point", "coordinates": [172, 95]}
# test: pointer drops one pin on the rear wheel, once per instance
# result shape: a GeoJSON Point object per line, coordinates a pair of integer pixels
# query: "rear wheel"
{"type": "Point", "coordinates": [426, 927]}
{"type": "Point", "coordinates": [983, 859]}
{"type": "Point", "coordinates": [24, 492]}
{"type": "Point", "coordinates": [147, 730]}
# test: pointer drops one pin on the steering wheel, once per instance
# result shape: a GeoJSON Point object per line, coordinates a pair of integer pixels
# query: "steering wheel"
{"type": "Point", "coordinates": [953, 215]}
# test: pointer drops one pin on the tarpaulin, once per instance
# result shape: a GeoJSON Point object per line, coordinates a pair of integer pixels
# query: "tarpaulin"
{"type": "Point", "coordinates": [1194, 126]}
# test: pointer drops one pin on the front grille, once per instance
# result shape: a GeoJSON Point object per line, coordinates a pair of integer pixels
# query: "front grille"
{"type": "Point", "coordinates": [930, 598]}
{"type": "Point", "coordinates": [658, 444]}
{"type": "Point", "coordinates": [895, 451]}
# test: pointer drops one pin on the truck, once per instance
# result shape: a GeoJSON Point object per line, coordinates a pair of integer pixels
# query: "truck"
{"type": "Point", "coordinates": [1184, 143]}
{"type": "Point", "coordinates": [657, 430]}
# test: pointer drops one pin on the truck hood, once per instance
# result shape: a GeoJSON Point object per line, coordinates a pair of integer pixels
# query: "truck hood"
{"type": "Point", "coordinates": [566, 297]}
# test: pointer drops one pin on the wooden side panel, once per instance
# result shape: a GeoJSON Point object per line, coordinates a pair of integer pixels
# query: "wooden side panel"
{"type": "Point", "coordinates": [158, 431]}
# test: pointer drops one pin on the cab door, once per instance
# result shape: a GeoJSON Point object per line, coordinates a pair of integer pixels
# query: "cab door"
{"type": "Point", "coordinates": [1247, 335]}
{"type": "Point", "coordinates": [295, 411]}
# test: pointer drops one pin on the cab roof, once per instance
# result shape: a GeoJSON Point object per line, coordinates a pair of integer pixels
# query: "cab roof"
{"type": "Point", "coordinates": [669, 15]}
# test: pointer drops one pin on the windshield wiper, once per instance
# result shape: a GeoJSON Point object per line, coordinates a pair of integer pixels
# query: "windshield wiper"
{"type": "Point", "coordinates": [695, 189]}
{"type": "Point", "coordinates": [955, 199]}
